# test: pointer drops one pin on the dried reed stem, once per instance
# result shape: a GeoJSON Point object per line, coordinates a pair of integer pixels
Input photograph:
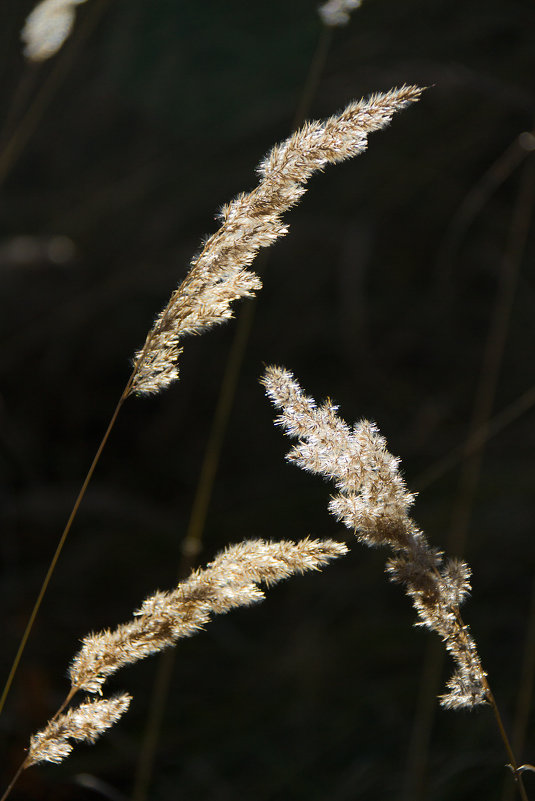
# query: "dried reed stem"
{"type": "Point", "coordinates": [252, 221]}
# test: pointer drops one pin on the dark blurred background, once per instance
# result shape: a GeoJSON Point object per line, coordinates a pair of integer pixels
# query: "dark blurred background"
{"type": "Point", "coordinates": [404, 291]}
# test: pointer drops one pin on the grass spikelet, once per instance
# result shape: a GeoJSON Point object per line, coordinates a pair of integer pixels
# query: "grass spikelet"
{"type": "Point", "coordinates": [229, 581]}
{"type": "Point", "coordinates": [374, 503]}
{"type": "Point", "coordinates": [219, 275]}
{"type": "Point", "coordinates": [85, 722]}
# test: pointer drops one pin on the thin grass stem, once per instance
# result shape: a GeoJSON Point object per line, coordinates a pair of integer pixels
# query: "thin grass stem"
{"type": "Point", "coordinates": [191, 545]}
{"type": "Point", "coordinates": [501, 728]}
{"type": "Point", "coordinates": [315, 71]}
{"type": "Point", "coordinates": [503, 734]}
{"type": "Point", "coordinates": [61, 543]}
{"type": "Point", "coordinates": [525, 694]}
{"type": "Point", "coordinates": [13, 781]}
{"type": "Point", "coordinates": [70, 695]}
{"type": "Point", "coordinates": [480, 437]}
{"type": "Point", "coordinates": [496, 175]}
{"type": "Point", "coordinates": [124, 395]}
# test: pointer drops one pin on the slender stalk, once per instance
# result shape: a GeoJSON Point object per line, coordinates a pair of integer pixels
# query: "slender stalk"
{"type": "Point", "coordinates": [13, 781]}
{"type": "Point", "coordinates": [70, 695]}
{"type": "Point", "coordinates": [315, 70]}
{"type": "Point", "coordinates": [9, 154]}
{"type": "Point", "coordinates": [480, 437]}
{"type": "Point", "coordinates": [525, 694]}
{"type": "Point", "coordinates": [192, 542]}
{"type": "Point", "coordinates": [72, 692]}
{"type": "Point", "coordinates": [153, 726]}
{"type": "Point", "coordinates": [19, 102]}
{"type": "Point", "coordinates": [61, 543]}
{"type": "Point", "coordinates": [422, 726]}
{"type": "Point", "coordinates": [496, 175]}
{"type": "Point", "coordinates": [124, 395]}
{"type": "Point", "coordinates": [503, 734]}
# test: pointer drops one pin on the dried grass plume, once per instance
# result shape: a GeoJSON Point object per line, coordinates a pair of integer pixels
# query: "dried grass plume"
{"type": "Point", "coordinates": [232, 579]}
{"type": "Point", "coordinates": [229, 581]}
{"type": "Point", "coordinates": [337, 12]}
{"type": "Point", "coordinates": [373, 501]}
{"type": "Point", "coordinates": [85, 722]}
{"type": "Point", "coordinates": [219, 275]}
{"type": "Point", "coordinates": [47, 27]}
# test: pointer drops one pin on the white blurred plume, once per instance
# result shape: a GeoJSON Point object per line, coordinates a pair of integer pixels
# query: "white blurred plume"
{"type": "Point", "coordinates": [47, 27]}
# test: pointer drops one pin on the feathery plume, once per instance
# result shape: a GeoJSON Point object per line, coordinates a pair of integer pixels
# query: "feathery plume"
{"type": "Point", "coordinates": [374, 503]}
{"type": "Point", "coordinates": [229, 581]}
{"type": "Point", "coordinates": [336, 12]}
{"type": "Point", "coordinates": [85, 722]}
{"type": "Point", "coordinates": [47, 27]}
{"type": "Point", "coordinates": [219, 274]}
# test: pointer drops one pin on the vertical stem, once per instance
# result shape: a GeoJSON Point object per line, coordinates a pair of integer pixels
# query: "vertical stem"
{"type": "Point", "coordinates": [192, 542]}
{"type": "Point", "coordinates": [315, 70]}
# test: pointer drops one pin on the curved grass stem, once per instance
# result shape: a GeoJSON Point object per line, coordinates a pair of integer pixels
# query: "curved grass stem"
{"type": "Point", "coordinates": [503, 734]}
{"type": "Point", "coordinates": [61, 543]}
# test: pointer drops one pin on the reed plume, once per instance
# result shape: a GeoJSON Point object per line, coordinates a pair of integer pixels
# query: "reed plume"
{"type": "Point", "coordinates": [230, 580]}
{"type": "Point", "coordinates": [47, 27]}
{"type": "Point", "coordinates": [219, 275]}
{"type": "Point", "coordinates": [373, 501]}
{"type": "Point", "coordinates": [334, 13]}
{"type": "Point", "coordinates": [85, 722]}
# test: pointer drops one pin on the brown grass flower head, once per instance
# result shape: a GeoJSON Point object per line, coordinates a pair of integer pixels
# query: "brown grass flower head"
{"type": "Point", "coordinates": [219, 275]}
{"type": "Point", "coordinates": [373, 502]}
{"type": "Point", "coordinates": [229, 581]}
{"type": "Point", "coordinates": [85, 722]}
